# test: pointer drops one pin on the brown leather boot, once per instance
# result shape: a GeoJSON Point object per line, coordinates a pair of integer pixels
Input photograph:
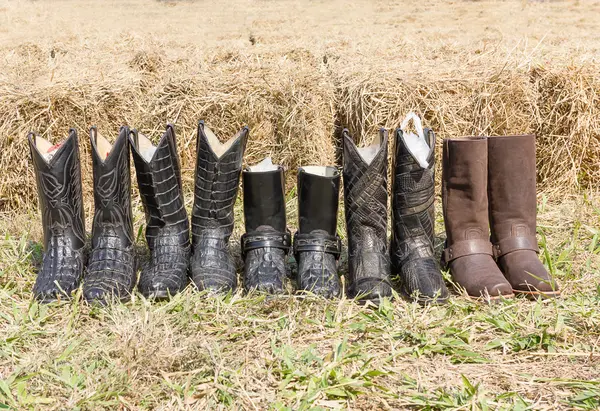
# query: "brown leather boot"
{"type": "Point", "coordinates": [512, 198]}
{"type": "Point", "coordinates": [468, 250]}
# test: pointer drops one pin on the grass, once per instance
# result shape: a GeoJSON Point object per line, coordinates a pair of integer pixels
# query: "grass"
{"type": "Point", "coordinates": [253, 352]}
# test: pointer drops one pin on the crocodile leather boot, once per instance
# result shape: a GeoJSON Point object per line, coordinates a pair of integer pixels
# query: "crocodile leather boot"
{"type": "Point", "coordinates": [468, 251]}
{"type": "Point", "coordinates": [218, 169]}
{"type": "Point", "coordinates": [413, 207]}
{"type": "Point", "coordinates": [111, 267]}
{"type": "Point", "coordinates": [512, 198]}
{"type": "Point", "coordinates": [167, 229]}
{"type": "Point", "coordinates": [365, 195]}
{"type": "Point", "coordinates": [267, 240]}
{"type": "Point", "coordinates": [316, 244]}
{"type": "Point", "coordinates": [58, 176]}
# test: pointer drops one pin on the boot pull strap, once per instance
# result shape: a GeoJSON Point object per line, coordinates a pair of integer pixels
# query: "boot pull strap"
{"type": "Point", "coordinates": [265, 239]}
{"type": "Point", "coordinates": [134, 135]}
{"type": "Point", "coordinates": [510, 244]}
{"type": "Point", "coordinates": [316, 242]}
{"type": "Point", "coordinates": [466, 247]}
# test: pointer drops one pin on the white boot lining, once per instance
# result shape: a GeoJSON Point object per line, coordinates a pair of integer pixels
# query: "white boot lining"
{"type": "Point", "coordinates": [323, 171]}
{"type": "Point", "coordinates": [217, 147]}
{"type": "Point", "coordinates": [263, 166]}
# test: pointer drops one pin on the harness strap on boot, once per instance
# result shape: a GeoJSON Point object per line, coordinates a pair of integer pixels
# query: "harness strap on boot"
{"type": "Point", "coordinates": [265, 239]}
{"type": "Point", "coordinates": [317, 242]}
{"type": "Point", "coordinates": [510, 244]}
{"type": "Point", "coordinates": [466, 247]}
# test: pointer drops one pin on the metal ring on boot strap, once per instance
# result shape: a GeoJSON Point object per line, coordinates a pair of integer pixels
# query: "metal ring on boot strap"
{"type": "Point", "coordinates": [316, 242]}
{"type": "Point", "coordinates": [266, 239]}
{"type": "Point", "coordinates": [510, 244]}
{"type": "Point", "coordinates": [467, 247]}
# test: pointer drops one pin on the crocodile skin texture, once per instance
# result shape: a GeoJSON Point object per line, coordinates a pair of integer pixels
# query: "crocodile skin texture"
{"type": "Point", "coordinates": [111, 267]}
{"type": "Point", "coordinates": [413, 207]}
{"type": "Point", "coordinates": [59, 188]}
{"type": "Point", "coordinates": [216, 187]}
{"type": "Point", "coordinates": [317, 255]}
{"type": "Point", "coordinates": [264, 252]}
{"type": "Point", "coordinates": [167, 229]}
{"type": "Point", "coordinates": [365, 196]}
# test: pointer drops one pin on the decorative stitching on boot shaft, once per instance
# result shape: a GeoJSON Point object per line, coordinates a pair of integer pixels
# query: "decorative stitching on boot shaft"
{"type": "Point", "coordinates": [61, 204]}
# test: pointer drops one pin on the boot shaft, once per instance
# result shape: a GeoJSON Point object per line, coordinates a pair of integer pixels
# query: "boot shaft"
{"type": "Point", "coordinates": [413, 192]}
{"type": "Point", "coordinates": [318, 199]}
{"type": "Point", "coordinates": [159, 181]}
{"type": "Point", "coordinates": [112, 187]}
{"type": "Point", "coordinates": [58, 176]}
{"type": "Point", "coordinates": [512, 186]}
{"type": "Point", "coordinates": [413, 185]}
{"type": "Point", "coordinates": [218, 169]}
{"type": "Point", "coordinates": [264, 197]}
{"type": "Point", "coordinates": [365, 193]}
{"type": "Point", "coordinates": [464, 189]}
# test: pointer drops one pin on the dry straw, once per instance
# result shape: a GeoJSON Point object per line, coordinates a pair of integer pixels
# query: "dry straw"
{"type": "Point", "coordinates": [295, 108]}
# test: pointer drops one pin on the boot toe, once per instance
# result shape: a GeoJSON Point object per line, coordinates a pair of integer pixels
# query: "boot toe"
{"type": "Point", "coordinates": [527, 275]}
{"type": "Point", "coordinates": [159, 288]}
{"type": "Point", "coordinates": [50, 294]}
{"type": "Point", "coordinates": [95, 294]}
{"type": "Point", "coordinates": [270, 288]}
{"type": "Point", "coordinates": [422, 282]}
{"type": "Point", "coordinates": [538, 288]}
{"type": "Point", "coordinates": [498, 291]}
{"type": "Point", "coordinates": [328, 291]}
{"type": "Point", "coordinates": [104, 295]}
{"type": "Point", "coordinates": [213, 283]}
{"type": "Point", "coordinates": [373, 290]}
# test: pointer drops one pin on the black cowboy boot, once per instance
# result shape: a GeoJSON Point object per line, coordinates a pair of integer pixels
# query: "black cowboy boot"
{"type": "Point", "coordinates": [365, 195]}
{"type": "Point", "coordinates": [316, 245]}
{"type": "Point", "coordinates": [267, 240]}
{"type": "Point", "coordinates": [413, 219]}
{"type": "Point", "coordinates": [218, 168]}
{"type": "Point", "coordinates": [111, 268]}
{"type": "Point", "coordinates": [58, 175]}
{"type": "Point", "coordinates": [167, 230]}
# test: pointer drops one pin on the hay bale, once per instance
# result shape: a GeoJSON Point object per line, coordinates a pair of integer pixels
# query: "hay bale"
{"type": "Point", "coordinates": [560, 107]}
{"type": "Point", "coordinates": [286, 105]}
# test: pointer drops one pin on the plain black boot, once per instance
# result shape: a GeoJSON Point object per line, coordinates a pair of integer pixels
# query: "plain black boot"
{"type": "Point", "coordinates": [167, 229]}
{"type": "Point", "coordinates": [267, 240]}
{"type": "Point", "coordinates": [365, 195]}
{"type": "Point", "coordinates": [316, 244]}
{"type": "Point", "coordinates": [58, 175]}
{"type": "Point", "coordinates": [413, 219]}
{"type": "Point", "coordinates": [218, 169]}
{"type": "Point", "coordinates": [111, 268]}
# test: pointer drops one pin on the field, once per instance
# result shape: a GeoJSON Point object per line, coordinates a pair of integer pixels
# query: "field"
{"type": "Point", "coordinates": [296, 72]}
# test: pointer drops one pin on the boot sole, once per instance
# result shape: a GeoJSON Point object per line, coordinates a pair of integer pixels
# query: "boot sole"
{"type": "Point", "coordinates": [534, 295]}
{"type": "Point", "coordinates": [493, 299]}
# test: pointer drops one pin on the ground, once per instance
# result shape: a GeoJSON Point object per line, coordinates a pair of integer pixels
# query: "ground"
{"type": "Point", "coordinates": [296, 72]}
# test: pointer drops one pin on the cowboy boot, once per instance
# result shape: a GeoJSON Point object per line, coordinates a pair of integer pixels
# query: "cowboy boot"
{"type": "Point", "coordinates": [167, 227]}
{"type": "Point", "coordinates": [267, 240]}
{"type": "Point", "coordinates": [218, 168]}
{"type": "Point", "coordinates": [413, 207]}
{"type": "Point", "coordinates": [58, 177]}
{"type": "Point", "coordinates": [512, 198]}
{"type": "Point", "coordinates": [316, 244]}
{"type": "Point", "coordinates": [111, 267]}
{"type": "Point", "coordinates": [468, 251]}
{"type": "Point", "coordinates": [365, 196]}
